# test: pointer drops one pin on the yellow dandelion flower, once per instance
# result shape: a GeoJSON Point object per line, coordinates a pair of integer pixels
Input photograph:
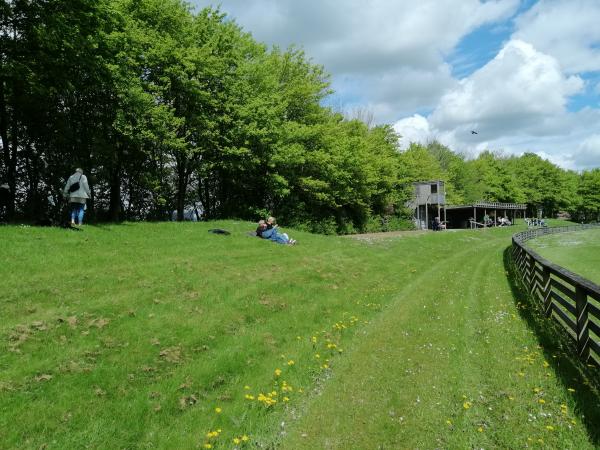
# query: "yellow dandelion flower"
{"type": "Point", "coordinates": [536, 389]}
{"type": "Point", "coordinates": [249, 397]}
{"type": "Point", "coordinates": [218, 410]}
{"type": "Point", "coordinates": [325, 366]}
{"type": "Point", "coordinates": [449, 422]}
{"type": "Point", "coordinates": [542, 401]}
{"type": "Point", "coordinates": [480, 429]}
{"type": "Point", "coordinates": [291, 362]}
{"type": "Point", "coordinates": [247, 388]}
{"type": "Point", "coordinates": [237, 441]}
{"type": "Point", "coordinates": [286, 399]}
{"type": "Point", "coordinates": [466, 405]}
{"type": "Point", "coordinates": [521, 374]}
{"type": "Point", "coordinates": [314, 339]}
{"type": "Point", "coordinates": [549, 428]}
{"type": "Point", "coordinates": [317, 356]}
{"type": "Point", "coordinates": [207, 445]}
{"type": "Point", "coordinates": [245, 438]}
{"type": "Point", "coordinates": [277, 372]}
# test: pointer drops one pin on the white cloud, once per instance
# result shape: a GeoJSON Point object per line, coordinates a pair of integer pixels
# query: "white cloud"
{"type": "Point", "coordinates": [515, 103]}
{"type": "Point", "coordinates": [588, 154]}
{"type": "Point", "coordinates": [517, 89]}
{"type": "Point", "coordinates": [356, 35]}
{"type": "Point", "coordinates": [392, 50]}
{"type": "Point", "coordinates": [398, 92]}
{"type": "Point", "coordinates": [413, 129]}
{"type": "Point", "coordinates": [567, 30]}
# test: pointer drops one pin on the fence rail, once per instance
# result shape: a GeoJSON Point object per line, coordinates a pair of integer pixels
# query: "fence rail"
{"type": "Point", "coordinates": [567, 297]}
{"type": "Point", "coordinates": [498, 205]}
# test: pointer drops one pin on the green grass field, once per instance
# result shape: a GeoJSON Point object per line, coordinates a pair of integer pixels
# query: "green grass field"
{"type": "Point", "coordinates": [577, 251]}
{"type": "Point", "coordinates": [166, 336]}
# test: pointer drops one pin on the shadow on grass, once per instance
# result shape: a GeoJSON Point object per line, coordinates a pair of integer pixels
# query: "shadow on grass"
{"type": "Point", "coordinates": [560, 352]}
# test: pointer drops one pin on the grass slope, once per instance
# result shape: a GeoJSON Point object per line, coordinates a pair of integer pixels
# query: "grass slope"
{"type": "Point", "coordinates": [578, 251]}
{"type": "Point", "coordinates": [451, 363]}
{"type": "Point", "coordinates": [166, 336]}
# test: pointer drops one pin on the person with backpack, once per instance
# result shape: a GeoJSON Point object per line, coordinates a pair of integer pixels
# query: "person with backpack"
{"type": "Point", "coordinates": [4, 201]}
{"type": "Point", "coordinates": [77, 191]}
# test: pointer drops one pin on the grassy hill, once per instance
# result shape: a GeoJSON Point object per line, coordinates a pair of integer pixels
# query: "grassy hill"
{"type": "Point", "coordinates": [167, 336]}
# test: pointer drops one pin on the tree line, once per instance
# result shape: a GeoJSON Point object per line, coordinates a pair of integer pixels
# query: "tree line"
{"type": "Point", "coordinates": [166, 108]}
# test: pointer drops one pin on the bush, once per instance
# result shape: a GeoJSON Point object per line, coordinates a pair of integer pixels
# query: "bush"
{"type": "Point", "coordinates": [378, 224]}
{"type": "Point", "coordinates": [324, 226]}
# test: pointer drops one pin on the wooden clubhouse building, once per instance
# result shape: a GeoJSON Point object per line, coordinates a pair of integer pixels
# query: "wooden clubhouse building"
{"type": "Point", "coordinates": [429, 202]}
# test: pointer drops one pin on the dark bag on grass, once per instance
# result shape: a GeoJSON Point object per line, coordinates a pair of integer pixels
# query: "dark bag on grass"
{"type": "Point", "coordinates": [75, 186]}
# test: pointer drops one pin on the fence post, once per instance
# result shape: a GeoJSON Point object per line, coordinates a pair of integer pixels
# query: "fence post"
{"type": "Point", "coordinates": [547, 292]}
{"type": "Point", "coordinates": [583, 333]}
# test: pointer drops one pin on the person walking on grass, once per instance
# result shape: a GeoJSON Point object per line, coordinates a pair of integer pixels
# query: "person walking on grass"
{"type": "Point", "coordinates": [77, 190]}
{"type": "Point", "coordinates": [4, 201]}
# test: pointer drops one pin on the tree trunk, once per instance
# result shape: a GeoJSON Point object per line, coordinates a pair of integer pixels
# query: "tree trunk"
{"type": "Point", "coordinates": [181, 189]}
{"type": "Point", "coordinates": [35, 207]}
{"type": "Point", "coordinates": [9, 155]}
{"type": "Point", "coordinates": [115, 189]}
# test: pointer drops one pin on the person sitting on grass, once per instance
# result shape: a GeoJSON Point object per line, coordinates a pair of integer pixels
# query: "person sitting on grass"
{"type": "Point", "coordinates": [272, 233]}
{"type": "Point", "coordinates": [262, 225]}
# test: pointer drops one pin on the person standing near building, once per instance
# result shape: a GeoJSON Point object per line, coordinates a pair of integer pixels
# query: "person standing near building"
{"type": "Point", "coordinates": [77, 190]}
{"type": "Point", "coordinates": [4, 201]}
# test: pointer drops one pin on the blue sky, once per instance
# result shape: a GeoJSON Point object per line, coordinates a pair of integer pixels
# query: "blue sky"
{"type": "Point", "coordinates": [478, 48]}
{"type": "Point", "coordinates": [526, 73]}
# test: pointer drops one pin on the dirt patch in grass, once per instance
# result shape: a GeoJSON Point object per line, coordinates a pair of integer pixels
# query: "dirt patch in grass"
{"type": "Point", "coordinates": [386, 235]}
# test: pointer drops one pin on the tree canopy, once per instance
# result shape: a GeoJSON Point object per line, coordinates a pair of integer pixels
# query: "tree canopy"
{"type": "Point", "coordinates": [167, 109]}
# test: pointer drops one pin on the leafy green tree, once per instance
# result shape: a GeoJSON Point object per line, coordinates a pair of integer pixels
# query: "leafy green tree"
{"type": "Point", "coordinates": [541, 182]}
{"type": "Point", "coordinates": [51, 82]}
{"type": "Point", "coordinates": [456, 172]}
{"type": "Point", "coordinates": [589, 192]}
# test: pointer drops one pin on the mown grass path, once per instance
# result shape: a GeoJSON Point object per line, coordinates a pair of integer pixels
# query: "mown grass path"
{"type": "Point", "coordinates": [166, 336]}
{"type": "Point", "coordinates": [450, 363]}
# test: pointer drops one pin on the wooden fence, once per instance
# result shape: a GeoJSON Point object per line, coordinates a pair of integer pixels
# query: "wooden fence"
{"type": "Point", "coordinates": [570, 299]}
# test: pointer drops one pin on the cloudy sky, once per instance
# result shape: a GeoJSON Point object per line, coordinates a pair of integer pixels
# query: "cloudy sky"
{"type": "Point", "coordinates": [523, 74]}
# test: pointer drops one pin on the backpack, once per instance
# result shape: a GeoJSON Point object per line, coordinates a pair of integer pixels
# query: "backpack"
{"type": "Point", "coordinates": [75, 186]}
